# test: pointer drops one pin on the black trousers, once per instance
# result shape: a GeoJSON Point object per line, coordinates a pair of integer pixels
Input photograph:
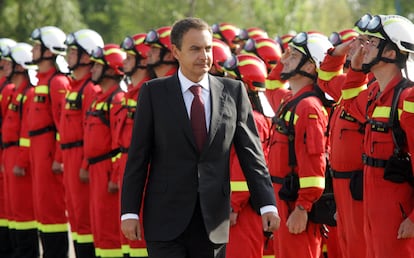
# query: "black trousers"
{"type": "Point", "coordinates": [192, 243]}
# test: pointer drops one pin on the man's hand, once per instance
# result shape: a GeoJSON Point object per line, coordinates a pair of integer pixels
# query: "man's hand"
{"type": "Point", "coordinates": [342, 49]}
{"type": "Point", "coordinates": [18, 171]}
{"type": "Point", "coordinates": [270, 221]}
{"type": "Point", "coordinates": [131, 229]}
{"type": "Point", "coordinates": [112, 187]}
{"type": "Point", "coordinates": [358, 58]}
{"type": "Point", "coordinates": [297, 221]}
{"type": "Point", "coordinates": [233, 218]}
{"type": "Point", "coordinates": [406, 229]}
{"type": "Point", "coordinates": [84, 175]}
{"type": "Point", "coordinates": [57, 167]}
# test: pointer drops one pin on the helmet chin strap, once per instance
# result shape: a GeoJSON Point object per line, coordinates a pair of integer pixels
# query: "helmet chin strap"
{"type": "Point", "coordinates": [136, 67]}
{"type": "Point", "coordinates": [286, 76]}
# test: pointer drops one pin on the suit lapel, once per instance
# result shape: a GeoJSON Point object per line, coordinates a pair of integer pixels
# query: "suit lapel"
{"type": "Point", "coordinates": [217, 104]}
{"type": "Point", "coordinates": [177, 106]}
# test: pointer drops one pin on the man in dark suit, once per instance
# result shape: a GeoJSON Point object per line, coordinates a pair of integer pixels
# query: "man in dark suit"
{"type": "Point", "coordinates": [186, 178]}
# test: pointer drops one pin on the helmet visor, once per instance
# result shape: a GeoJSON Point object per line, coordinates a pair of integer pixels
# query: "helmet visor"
{"type": "Point", "coordinates": [153, 38]}
{"type": "Point", "coordinates": [362, 23]}
{"type": "Point", "coordinates": [98, 55]}
{"type": "Point", "coordinates": [335, 38]}
{"type": "Point", "coordinates": [231, 66]}
{"type": "Point", "coordinates": [300, 42]}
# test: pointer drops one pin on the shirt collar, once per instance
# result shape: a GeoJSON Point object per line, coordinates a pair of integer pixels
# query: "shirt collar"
{"type": "Point", "coordinates": [186, 83]}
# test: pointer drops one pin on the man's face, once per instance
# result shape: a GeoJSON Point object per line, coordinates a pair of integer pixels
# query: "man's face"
{"type": "Point", "coordinates": [72, 56]}
{"type": "Point", "coordinates": [37, 51]}
{"type": "Point", "coordinates": [291, 60]}
{"type": "Point", "coordinates": [129, 63]}
{"type": "Point", "coordinates": [196, 54]}
{"type": "Point", "coordinates": [370, 49]}
{"type": "Point", "coordinates": [154, 55]}
{"type": "Point", "coordinates": [96, 71]}
{"type": "Point", "coordinates": [7, 67]}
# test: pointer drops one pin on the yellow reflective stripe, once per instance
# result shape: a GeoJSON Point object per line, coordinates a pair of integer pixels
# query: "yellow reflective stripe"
{"type": "Point", "coordinates": [74, 236]}
{"type": "Point", "coordinates": [353, 92]}
{"type": "Point", "coordinates": [324, 248]}
{"type": "Point", "coordinates": [52, 228]}
{"type": "Point", "coordinates": [87, 238]}
{"type": "Point", "coordinates": [138, 252]}
{"type": "Point", "coordinates": [125, 249]}
{"type": "Point", "coordinates": [238, 186]}
{"type": "Point", "coordinates": [117, 252]}
{"type": "Point", "coordinates": [287, 117]}
{"type": "Point", "coordinates": [132, 102]}
{"type": "Point", "coordinates": [102, 106]}
{"type": "Point", "coordinates": [269, 256]}
{"type": "Point", "coordinates": [112, 51]}
{"type": "Point", "coordinates": [327, 76]}
{"type": "Point", "coordinates": [58, 137]}
{"type": "Point", "coordinates": [23, 225]}
{"type": "Point", "coordinates": [72, 95]}
{"type": "Point", "coordinates": [4, 223]}
{"type": "Point", "coordinates": [408, 106]}
{"type": "Point", "coordinates": [116, 157]}
{"type": "Point", "coordinates": [313, 116]}
{"type": "Point", "coordinates": [312, 181]}
{"type": "Point", "coordinates": [381, 112]}
{"type": "Point", "coordinates": [42, 89]}
{"type": "Point", "coordinates": [274, 84]}
{"type": "Point", "coordinates": [24, 142]}
{"type": "Point", "coordinates": [256, 63]}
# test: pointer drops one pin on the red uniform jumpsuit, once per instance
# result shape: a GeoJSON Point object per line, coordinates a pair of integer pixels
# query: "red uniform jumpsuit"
{"type": "Point", "coordinates": [78, 100]}
{"type": "Point", "coordinates": [346, 147]}
{"type": "Point", "coordinates": [16, 145]}
{"type": "Point", "coordinates": [99, 146]}
{"type": "Point", "coordinates": [310, 126]}
{"type": "Point", "coordinates": [386, 204]}
{"type": "Point", "coordinates": [246, 236]}
{"type": "Point", "coordinates": [125, 123]}
{"type": "Point", "coordinates": [6, 89]}
{"type": "Point", "coordinates": [48, 189]}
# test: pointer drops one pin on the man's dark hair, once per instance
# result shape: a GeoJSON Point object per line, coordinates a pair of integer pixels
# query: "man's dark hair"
{"type": "Point", "coordinates": [180, 27]}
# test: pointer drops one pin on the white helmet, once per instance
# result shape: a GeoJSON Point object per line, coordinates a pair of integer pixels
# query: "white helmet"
{"type": "Point", "coordinates": [86, 39]}
{"type": "Point", "coordinates": [395, 28]}
{"type": "Point", "coordinates": [6, 43]}
{"type": "Point", "coordinates": [50, 37]}
{"type": "Point", "coordinates": [313, 45]}
{"type": "Point", "coordinates": [20, 54]}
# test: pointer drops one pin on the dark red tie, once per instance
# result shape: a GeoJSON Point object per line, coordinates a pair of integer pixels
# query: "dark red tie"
{"type": "Point", "coordinates": [198, 117]}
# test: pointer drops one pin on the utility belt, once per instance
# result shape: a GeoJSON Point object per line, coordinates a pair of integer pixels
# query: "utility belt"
{"type": "Point", "coordinates": [356, 182]}
{"type": "Point", "coordinates": [397, 168]}
{"type": "Point", "coordinates": [123, 150]}
{"type": "Point", "coordinates": [50, 128]}
{"type": "Point", "coordinates": [6, 145]}
{"type": "Point", "coordinates": [103, 157]}
{"type": "Point", "coordinates": [70, 145]}
{"type": "Point", "coordinates": [374, 162]}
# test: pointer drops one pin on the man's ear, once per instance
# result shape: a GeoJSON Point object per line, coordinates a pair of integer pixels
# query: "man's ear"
{"type": "Point", "coordinates": [309, 67]}
{"type": "Point", "coordinates": [175, 52]}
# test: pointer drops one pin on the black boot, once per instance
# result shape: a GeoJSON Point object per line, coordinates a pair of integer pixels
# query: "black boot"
{"type": "Point", "coordinates": [84, 250]}
{"type": "Point", "coordinates": [27, 243]}
{"type": "Point", "coordinates": [55, 245]}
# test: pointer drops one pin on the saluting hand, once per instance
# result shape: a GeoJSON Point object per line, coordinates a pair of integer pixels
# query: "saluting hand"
{"type": "Point", "coordinates": [131, 229]}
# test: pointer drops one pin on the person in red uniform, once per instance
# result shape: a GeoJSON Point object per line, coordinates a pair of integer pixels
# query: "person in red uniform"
{"type": "Point", "coordinates": [135, 67]}
{"type": "Point", "coordinates": [45, 111]}
{"type": "Point", "coordinates": [246, 231]}
{"type": "Point", "coordinates": [388, 196]}
{"type": "Point", "coordinates": [301, 111]}
{"type": "Point", "coordinates": [100, 124]}
{"type": "Point", "coordinates": [346, 143]}
{"type": "Point", "coordinates": [161, 61]}
{"type": "Point", "coordinates": [79, 98]}
{"type": "Point", "coordinates": [5, 90]}
{"type": "Point", "coordinates": [16, 158]}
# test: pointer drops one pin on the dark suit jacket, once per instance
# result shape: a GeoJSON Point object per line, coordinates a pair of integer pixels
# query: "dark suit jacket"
{"type": "Point", "coordinates": [163, 153]}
